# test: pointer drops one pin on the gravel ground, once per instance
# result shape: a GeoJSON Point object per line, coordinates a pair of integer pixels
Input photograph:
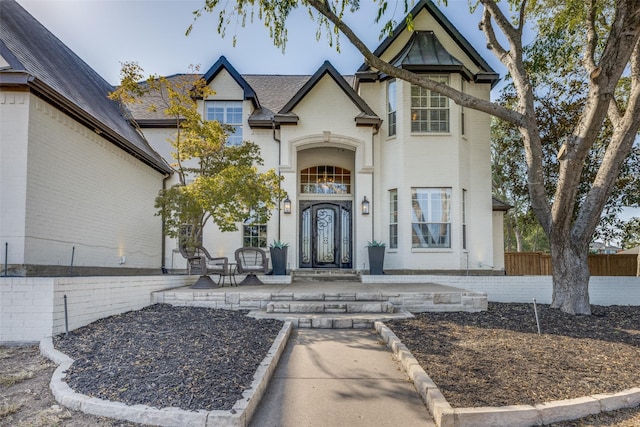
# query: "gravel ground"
{"type": "Point", "coordinates": [165, 356]}
{"type": "Point", "coordinates": [496, 358]}
{"type": "Point", "coordinates": [573, 353]}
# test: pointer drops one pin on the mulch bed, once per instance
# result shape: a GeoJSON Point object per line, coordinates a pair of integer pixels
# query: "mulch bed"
{"type": "Point", "coordinates": [497, 358]}
{"type": "Point", "coordinates": [164, 356]}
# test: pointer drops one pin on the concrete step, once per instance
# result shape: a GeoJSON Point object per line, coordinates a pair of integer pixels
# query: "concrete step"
{"type": "Point", "coordinates": [325, 275]}
{"type": "Point", "coordinates": [330, 307]}
{"type": "Point", "coordinates": [332, 320]}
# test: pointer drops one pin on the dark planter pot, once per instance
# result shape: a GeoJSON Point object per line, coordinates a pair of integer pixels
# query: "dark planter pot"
{"type": "Point", "coordinates": [376, 259]}
{"type": "Point", "coordinates": [279, 261]}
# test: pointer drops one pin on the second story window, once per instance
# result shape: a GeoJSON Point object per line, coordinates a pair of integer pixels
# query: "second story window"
{"type": "Point", "coordinates": [391, 106]}
{"type": "Point", "coordinates": [429, 110]}
{"type": "Point", "coordinates": [228, 113]}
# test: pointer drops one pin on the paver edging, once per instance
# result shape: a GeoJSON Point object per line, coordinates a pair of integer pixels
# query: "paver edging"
{"type": "Point", "coordinates": [517, 415]}
{"type": "Point", "coordinates": [238, 416]}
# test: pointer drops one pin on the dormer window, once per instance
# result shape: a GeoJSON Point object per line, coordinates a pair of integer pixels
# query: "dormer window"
{"type": "Point", "coordinates": [429, 110]}
{"type": "Point", "coordinates": [228, 113]}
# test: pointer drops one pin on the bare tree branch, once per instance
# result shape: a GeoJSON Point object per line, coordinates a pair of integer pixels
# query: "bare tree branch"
{"type": "Point", "coordinates": [492, 41]}
{"type": "Point", "coordinates": [512, 34]}
{"type": "Point", "coordinates": [592, 39]}
{"type": "Point", "coordinates": [456, 96]}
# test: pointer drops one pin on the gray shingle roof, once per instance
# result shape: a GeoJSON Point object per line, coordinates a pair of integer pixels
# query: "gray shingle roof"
{"type": "Point", "coordinates": [273, 91]}
{"type": "Point", "coordinates": [49, 68]}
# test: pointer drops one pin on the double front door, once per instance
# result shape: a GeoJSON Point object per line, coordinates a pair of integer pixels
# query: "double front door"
{"type": "Point", "coordinates": [325, 234]}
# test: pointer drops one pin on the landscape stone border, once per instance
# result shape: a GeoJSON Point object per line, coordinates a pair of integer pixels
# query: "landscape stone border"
{"type": "Point", "coordinates": [514, 416]}
{"type": "Point", "coordinates": [238, 416]}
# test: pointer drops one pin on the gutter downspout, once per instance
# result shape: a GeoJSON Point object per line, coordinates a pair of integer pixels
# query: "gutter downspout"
{"type": "Point", "coordinates": [373, 180]}
{"type": "Point", "coordinates": [163, 245]}
{"type": "Point", "coordinates": [273, 128]}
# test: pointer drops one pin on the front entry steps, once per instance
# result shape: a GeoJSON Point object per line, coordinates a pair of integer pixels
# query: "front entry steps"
{"type": "Point", "coordinates": [332, 320]}
{"type": "Point", "coordinates": [331, 314]}
{"type": "Point", "coordinates": [325, 275]}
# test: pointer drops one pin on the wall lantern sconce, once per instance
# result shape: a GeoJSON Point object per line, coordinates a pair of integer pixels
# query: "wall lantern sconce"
{"type": "Point", "coordinates": [365, 206]}
{"type": "Point", "coordinates": [286, 205]}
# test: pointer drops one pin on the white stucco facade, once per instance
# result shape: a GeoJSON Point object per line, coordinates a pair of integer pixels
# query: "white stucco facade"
{"type": "Point", "coordinates": [319, 127]}
{"type": "Point", "coordinates": [79, 183]}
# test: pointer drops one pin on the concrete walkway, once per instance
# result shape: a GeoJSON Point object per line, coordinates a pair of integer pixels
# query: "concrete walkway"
{"type": "Point", "coordinates": [335, 378]}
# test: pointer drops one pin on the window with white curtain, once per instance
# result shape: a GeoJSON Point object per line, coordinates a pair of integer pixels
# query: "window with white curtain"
{"type": "Point", "coordinates": [431, 217]}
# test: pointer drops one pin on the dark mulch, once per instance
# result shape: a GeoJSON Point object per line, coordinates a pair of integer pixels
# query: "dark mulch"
{"type": "Point", "coordinates": [165, 356]}
{"type": "Point", "coordinates": [496, 358]}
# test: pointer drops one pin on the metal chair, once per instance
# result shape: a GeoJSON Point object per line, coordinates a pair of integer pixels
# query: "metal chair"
{"type": "Point", "coordinates": [251, 260]}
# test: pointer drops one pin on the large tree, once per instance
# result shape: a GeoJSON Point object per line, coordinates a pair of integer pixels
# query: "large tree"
{"type": "Point", "coordinates": [216, 182]}
{"type": "Point", "coordinates": [607, 31]}
{"type": "Point", "coordinates": [559, 100]}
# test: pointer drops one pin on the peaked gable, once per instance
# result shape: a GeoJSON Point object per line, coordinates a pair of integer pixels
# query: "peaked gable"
{"type": "Point", "coordinates": [41, 62]}
{"type": "Point", "coordinates": [366, 116]}
{"type": "Point", "coordinates": [486, 74]}
{"type": "Point", "coordinates": [223, 64]}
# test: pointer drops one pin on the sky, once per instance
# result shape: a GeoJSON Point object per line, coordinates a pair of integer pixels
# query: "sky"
{"type": "Point", "coordinates": [105, 33]}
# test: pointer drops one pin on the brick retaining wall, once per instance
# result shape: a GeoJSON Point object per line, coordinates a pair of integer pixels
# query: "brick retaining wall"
{"type": "Point", "coordinates": [33, 308]}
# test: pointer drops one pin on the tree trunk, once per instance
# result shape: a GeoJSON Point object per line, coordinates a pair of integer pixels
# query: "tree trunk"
{"type": "Point", "coordinates": [570, 276]}
{"type": "Point", "coordinates": [638, 265]}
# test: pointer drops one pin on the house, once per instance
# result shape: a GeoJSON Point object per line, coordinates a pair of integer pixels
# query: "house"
{"type": "Point", "coordinates": [602, 248]}
{"type": "Point", "coordinates": [365, 157]}
{"type": "Point", "coordinates": [77, 181]}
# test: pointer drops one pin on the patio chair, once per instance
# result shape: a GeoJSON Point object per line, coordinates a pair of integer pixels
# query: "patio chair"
{"type": "Point", "coordinates": [251, 260]}
{"type": "Point", "coordinates": [220, 266]}
{"type": "Point", "coordinates": [200, 262]}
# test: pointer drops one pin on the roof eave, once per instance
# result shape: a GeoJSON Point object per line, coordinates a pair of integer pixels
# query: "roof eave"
{"type": "Point", "coordinates": [499, 206]}
{"type": "Point", "coordinates": [261, 123]}
{"type": "Point", "coordinates": [286, 119]}
{"type": "Point", "coordinates": [10, 78]}
{"type": "Point", "coordinates": [368, 121]}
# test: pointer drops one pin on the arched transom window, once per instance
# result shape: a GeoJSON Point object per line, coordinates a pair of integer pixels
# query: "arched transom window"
{"type": "Point", "coordinates": [325, 180]}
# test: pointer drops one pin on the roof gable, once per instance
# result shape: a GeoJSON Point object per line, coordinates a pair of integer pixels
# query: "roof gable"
{"type": "Point", "coordinates": [40, 61]}
{"type": "Point", "coordinates": [223, 64]}
{"type": "Point", "coordinates": [366, 116]}
{"type": "Point", "coordinates": [485, 74]}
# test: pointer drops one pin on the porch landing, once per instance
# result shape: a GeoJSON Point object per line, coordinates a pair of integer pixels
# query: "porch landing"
{"type": "Point", "coordinates": [330, 304]}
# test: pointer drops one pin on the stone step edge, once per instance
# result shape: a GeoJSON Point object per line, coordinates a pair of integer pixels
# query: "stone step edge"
{"type": "Point", "coordinates": [332, 320]}
{"type": "Point", "coordinates": [330, 307]}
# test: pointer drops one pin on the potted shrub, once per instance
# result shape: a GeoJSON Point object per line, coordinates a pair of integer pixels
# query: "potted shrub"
{"type": "Point", "coordinates": [376, 257]}
{"type": "Point", "coordinates": [278, 252]}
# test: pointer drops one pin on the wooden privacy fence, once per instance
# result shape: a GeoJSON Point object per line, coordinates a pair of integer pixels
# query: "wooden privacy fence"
{"type": "Point", "coordinates": [539, 264]}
